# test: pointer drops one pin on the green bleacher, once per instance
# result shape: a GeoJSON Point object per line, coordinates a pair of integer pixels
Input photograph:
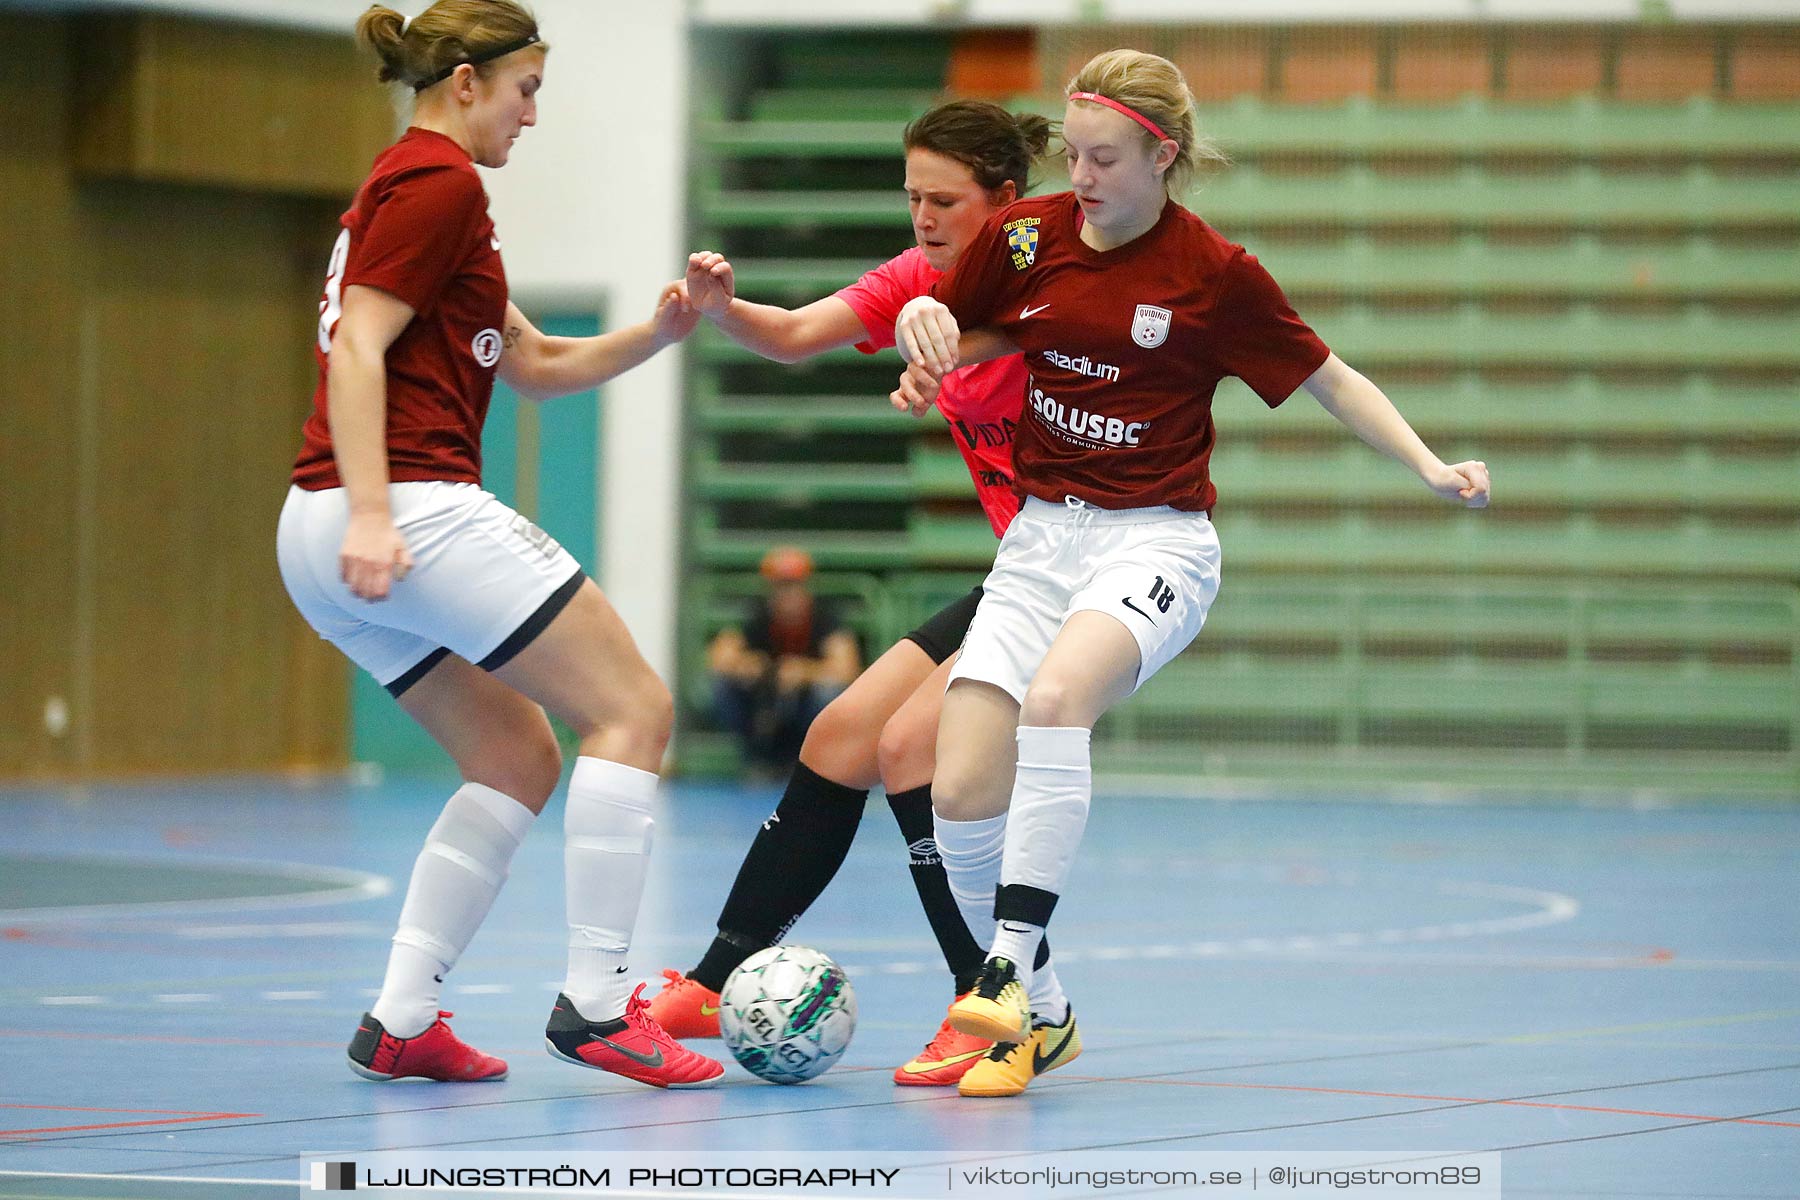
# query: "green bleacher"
{"type": "Point", "coordinates": [1602, 300]}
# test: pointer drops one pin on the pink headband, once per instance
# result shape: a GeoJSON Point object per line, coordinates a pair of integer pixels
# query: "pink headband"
{"type": "Point", "coordinates": [1135, 115]}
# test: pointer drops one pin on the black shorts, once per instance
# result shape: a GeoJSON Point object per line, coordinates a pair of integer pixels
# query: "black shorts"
{"type": "Point", "coordinates": [942, 633]}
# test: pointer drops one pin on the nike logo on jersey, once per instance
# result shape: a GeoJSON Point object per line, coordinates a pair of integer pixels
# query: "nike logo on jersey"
{"type": "Point", "coordinates": [1040, 1060]}
{"type": "Point", "coordinates": [494, 242]}
{"type": "Point", "coordinates": [1126, 601]}
{"type": "Point", "coordinates": [649, 1060]}
{"type": "Point", "coordinates": [1031, 312]}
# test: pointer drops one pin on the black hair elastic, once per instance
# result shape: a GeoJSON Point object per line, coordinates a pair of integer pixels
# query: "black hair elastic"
{"type": "Point", "coordinates": [530, 39]}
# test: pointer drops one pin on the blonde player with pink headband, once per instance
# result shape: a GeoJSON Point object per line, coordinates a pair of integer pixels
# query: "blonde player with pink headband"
{"type": "Point", "coordinates": [1129, 310]}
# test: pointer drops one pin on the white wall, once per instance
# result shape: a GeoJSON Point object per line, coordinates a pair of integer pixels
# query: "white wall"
{"type": "Point", "coordinates": [591, 210]}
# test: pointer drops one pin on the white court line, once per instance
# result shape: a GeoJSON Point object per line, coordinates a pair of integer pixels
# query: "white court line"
{"type": "Point", "coordinates": [187, 998]}
{"type": "Point", "coordinates": [1546, 908]}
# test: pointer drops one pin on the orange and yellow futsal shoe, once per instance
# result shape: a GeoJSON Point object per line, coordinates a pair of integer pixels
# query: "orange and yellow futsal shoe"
{"type": "Point", "coordinates": [1009, 1068]}
{"type": "Point", "coordinates": [684, 1008]}
{"type": "Point", "coordinates": [944, 1059]}
{"type": "Point", "coordinates": [996, 1007]}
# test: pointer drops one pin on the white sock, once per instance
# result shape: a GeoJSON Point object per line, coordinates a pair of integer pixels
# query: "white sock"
{"type": "Point", "coordinates": [1048, 1002]}
{"type": "Point", "coordinates": [606, 854]}
{"type": "Point", "coordinates": [1052, 790]}
{"type": "Point", "coordinates": [971, 851]}
{"type": "Point", "coordinates": [1017, 942]}
{"type": "Point", "coordinates": [454, 882]}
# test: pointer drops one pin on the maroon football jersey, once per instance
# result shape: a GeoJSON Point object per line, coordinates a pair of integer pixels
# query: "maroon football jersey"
{"type": "Point", "coordinates": [419, 230]}
{"type": "Point", "coordinates": [1125, 347]}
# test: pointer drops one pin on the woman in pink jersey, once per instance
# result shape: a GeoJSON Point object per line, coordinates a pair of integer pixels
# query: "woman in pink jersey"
{"type": "Point", "coordinates": [473, 618]}
{"type": "Point", "coordinates": [1129, 309]}
{"type": "Point", "coordinates": [964, 161]}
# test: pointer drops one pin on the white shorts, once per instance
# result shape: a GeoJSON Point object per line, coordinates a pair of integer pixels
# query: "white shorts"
{"type": "Point", "coordinates": [1155, 569]}
{"type": "Point", "coordinates": [485, 581]}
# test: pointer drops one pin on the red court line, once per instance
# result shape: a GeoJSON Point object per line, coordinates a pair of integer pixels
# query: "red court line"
{"type": "Point", "coordinates": [167, 1116]}
{"type": "Point", "coordinates": [1287, 1087]}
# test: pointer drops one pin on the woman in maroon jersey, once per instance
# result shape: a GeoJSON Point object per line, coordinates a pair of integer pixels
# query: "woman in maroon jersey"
{"type": "Point", "coordinates": [1129, 310]}
{"type": "Point", "coordinates": [473, 618]}
{"type": "Point", "coordinates": [965, 160]}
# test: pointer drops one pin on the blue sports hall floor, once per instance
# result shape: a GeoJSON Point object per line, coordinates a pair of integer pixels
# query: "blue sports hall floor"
{"type": "Point", "coordinates": [1601, 988]}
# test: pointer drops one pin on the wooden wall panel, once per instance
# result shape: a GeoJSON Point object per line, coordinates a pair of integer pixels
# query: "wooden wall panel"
{"type": "Point", "coordinates": [1442, 64]}
{"type": "Point", "coordinates": [1543, 64]}
{"type": "Point", "coordinates": [203, 372]}
{"type": "Point", "coordinates": [190, 101]}
{"type": "Point", "coordinates": [1667, 64]}
{"type": "Point", "coordinates": [153, 401]}
{"type": "Point", "coordinates": [38, 449]}
{"type": "Point", "coordinates": [1225, 62]}
{"type": "Point", "coordinates": [1324, 66]}
{"type": "Point", "coordinates": [1765, 65]}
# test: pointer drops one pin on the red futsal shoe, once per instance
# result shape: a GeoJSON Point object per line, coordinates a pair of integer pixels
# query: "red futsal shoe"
{"type": "Point", "coordinates": [435, 1054]}
{"type": "Point", "coordinates": [944, 1060]}
{"type": "Point", "coordinates": [684, 1008]}
{"type": "Point", "coordinates": [633, 1045]}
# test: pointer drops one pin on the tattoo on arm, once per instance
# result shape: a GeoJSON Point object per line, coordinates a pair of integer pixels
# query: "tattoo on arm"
{"type": "Point", "coordinates": [513, 334]}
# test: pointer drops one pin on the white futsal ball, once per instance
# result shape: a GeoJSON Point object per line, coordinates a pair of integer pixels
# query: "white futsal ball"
{"type": "Point", "coordinates": [787, 1013]}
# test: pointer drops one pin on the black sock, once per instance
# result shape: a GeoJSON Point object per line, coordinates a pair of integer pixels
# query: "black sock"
{"type": "Point", "coordinates": [962, 954]}
{"type": "Point", "coordinates": [794, 855]}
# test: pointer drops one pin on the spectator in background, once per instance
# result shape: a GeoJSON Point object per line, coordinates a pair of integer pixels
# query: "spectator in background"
{"type": "Point", "coordinates": [778, 670]}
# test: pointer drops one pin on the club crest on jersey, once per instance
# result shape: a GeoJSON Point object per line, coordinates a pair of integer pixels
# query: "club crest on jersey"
{"type": "Point", "coordinates": [486, 347]}
{"type": "Point", "coordinates": [1022, 236]}
{"type": "Point", "coordinates": [1150, 326]}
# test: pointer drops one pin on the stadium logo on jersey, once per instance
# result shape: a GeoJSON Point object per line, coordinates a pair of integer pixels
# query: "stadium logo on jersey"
{"type": "Point", "coordinates": [486, 347]}
{"type": "Point", "coordinates": [1022, 236]}
{"type": "Point", "coordinates": [1090, 429]}
{"type": "Point", "coordinates": [1150, 326]}
{"type": "Point", "coordinates": [1082, 366]}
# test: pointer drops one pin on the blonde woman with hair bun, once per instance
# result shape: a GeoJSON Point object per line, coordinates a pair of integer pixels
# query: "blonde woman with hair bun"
{"type": "Point", "coordinates": [474, 619]}
{"type": "Point", "coordinates": [1129, 310]}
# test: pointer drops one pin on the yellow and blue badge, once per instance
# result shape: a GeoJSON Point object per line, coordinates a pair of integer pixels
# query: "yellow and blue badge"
{"type": "Point", "coordinates": [1022, 236]}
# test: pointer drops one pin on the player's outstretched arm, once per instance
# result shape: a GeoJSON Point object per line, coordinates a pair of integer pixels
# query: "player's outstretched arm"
{"type": "Point", "coordinates": [779, 334]}
{"type": "Point", "coordinates": [540, 367]}
{"type": "Point", "coordinates": [1367, 412]}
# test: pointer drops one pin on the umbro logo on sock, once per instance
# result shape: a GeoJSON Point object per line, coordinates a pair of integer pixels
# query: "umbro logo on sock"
{"type": "Point", "coordinates": [925, 853]}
